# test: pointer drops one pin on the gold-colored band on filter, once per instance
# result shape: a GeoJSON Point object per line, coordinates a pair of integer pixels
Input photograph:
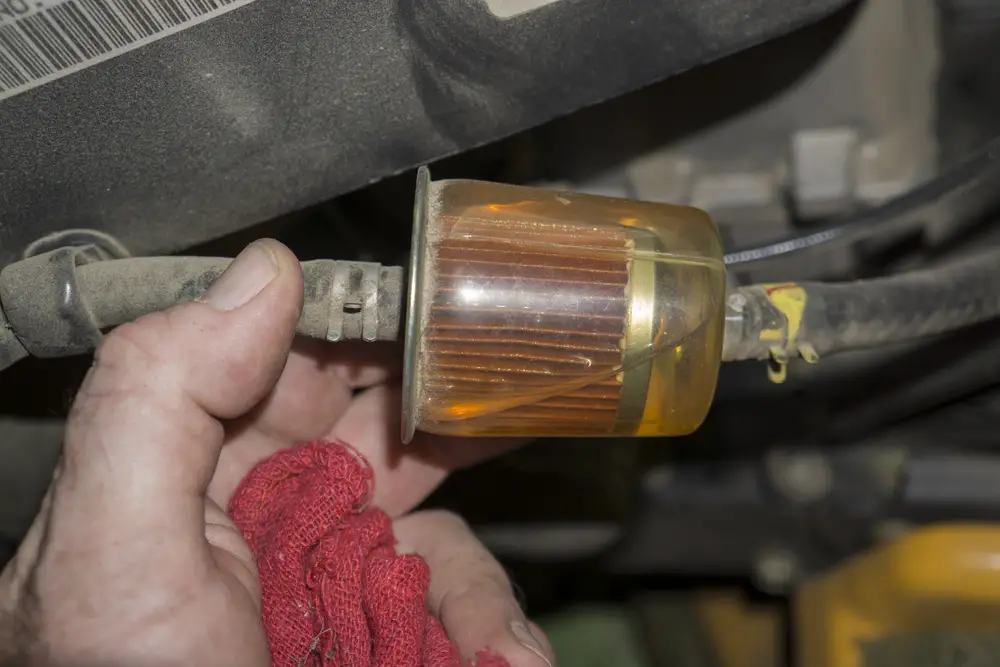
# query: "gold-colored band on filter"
{"type": "Point", "coordinates": [637, 357]}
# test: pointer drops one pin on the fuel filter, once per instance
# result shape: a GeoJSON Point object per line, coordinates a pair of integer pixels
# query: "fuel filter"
{"type": "Point", "coordinates": [533, 312]}
{"type": "Point", "coordinates": [530, 312]}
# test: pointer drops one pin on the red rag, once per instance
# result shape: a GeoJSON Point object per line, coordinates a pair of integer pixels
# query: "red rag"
{"type": "Point", "coordinates": [336, 593]}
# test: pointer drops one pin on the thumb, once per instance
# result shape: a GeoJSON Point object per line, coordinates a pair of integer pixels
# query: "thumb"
{"type": "Point", "coordinates": [145, 431]}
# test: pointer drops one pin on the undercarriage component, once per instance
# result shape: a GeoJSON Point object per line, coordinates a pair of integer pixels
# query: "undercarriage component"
{"type": "Point", "coordinates": [963, 193]}
{"type": "Point", "coordinates": [273, 106]}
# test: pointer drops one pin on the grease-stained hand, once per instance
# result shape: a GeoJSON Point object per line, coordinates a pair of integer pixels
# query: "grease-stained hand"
{"type": "Point", "coordinates": [132, 561]}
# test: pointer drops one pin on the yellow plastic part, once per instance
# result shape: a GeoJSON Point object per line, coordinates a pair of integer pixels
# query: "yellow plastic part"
{"type": "Point", "coordinates": [939, 579]}
{"type": "Point", "coordinates": [544, 313]}
{"type": "Point", "coordinates": [742, 634]}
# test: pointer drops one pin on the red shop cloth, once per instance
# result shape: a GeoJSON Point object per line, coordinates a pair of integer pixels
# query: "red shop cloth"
{"type": "Point", "coordinates": [336, 593]}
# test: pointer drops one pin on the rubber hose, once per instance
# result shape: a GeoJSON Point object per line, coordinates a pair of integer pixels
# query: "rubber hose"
{"type": "Point", "coordinates": [110, 293]}
{"type": "Point", "coordinates": [122, 290]}
{"type": "Point", "coordinates": [900, 308]}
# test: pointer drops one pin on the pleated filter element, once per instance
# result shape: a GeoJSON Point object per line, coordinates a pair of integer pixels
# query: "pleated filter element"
{"type": "Point", "coordinates": [518, 315]}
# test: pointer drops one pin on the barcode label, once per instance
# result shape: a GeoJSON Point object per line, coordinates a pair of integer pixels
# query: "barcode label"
{"type": "Point", "coordinates": [44, 40]}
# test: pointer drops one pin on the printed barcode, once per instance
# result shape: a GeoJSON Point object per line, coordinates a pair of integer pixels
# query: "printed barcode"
{"type": "Point", "coordinates": [44, 41]}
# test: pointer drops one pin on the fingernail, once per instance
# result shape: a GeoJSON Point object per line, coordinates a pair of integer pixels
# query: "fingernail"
{"type": "Point", "coordinates": [247, 276]}
{"type": "Point", "coordinates": [528, 640]}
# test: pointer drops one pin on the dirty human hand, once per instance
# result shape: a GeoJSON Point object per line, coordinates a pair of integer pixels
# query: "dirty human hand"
{"type": "Point", "coordinates": [132, 561]}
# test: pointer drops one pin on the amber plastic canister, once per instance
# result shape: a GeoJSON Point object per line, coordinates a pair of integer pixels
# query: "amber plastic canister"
{"type": "Point", "coordinates": [534, 312]}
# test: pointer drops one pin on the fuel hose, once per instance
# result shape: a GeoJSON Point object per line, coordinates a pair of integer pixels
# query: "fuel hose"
{"type": "Point", "coordinates": [813, 318]}
{"type": "Point", "coordinates": [60, 304]}
{"type": "Point", "coordinates": [51, 307]}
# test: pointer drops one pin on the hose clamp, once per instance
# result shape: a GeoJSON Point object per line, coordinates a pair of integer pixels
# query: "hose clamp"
{"type": "Point", "coordinates": [44, 306]}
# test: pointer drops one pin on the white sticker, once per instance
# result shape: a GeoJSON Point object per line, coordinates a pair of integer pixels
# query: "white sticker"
{"type": "Point", "coordinates": [45, 40]}
{"type": "Point", "coordinates": [506, 9]}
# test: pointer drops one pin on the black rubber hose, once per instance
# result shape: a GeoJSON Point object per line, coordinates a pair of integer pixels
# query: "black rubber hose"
{"type": "Point", "coordinates": [906, 307]}
{"type": "Point", "coordinates": [980, 171]}
{"type": "Point", "coordinates": [820, 318]}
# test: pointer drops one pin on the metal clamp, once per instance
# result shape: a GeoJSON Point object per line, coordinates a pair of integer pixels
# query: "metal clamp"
{"type": "Point", "coordinates": [364, 302]}
{"type": "Point", "coordinates": [764, 322]}
{"type": "Point", "coordinates": [44, 306]}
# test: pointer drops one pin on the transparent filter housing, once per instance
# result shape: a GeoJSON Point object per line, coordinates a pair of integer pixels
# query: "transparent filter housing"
{"type": "Point", "coordinates": [538, 313]}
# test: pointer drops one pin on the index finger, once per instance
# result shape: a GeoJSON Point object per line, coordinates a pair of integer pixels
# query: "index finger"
{"type": "Point", "coordinates": [318, 383]}
{"type": "Point", "coordinates": [315, 388]}
{"type": "Point", "coordinates": [406, 474]}
{"type": "Point", "coordinates": [470, 591]}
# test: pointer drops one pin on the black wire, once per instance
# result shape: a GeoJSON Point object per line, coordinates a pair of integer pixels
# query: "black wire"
{"type": "Point", "coordinates": [910, 209]}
